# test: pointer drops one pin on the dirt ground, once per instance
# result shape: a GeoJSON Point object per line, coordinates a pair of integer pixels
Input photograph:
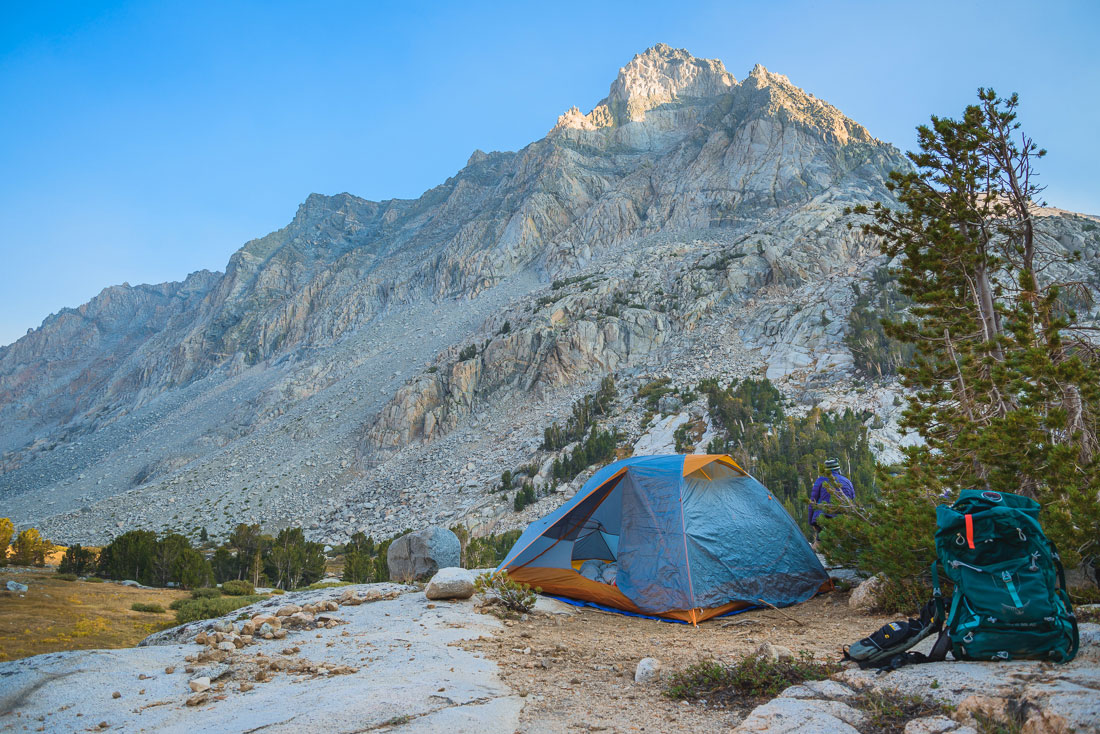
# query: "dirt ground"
{"type": "Point", "coordinates": [578, 672]}
{"type": "Point", "coordinates": [55, 615]}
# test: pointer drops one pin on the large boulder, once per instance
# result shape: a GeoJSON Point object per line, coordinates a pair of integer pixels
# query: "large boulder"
{"type": "Point", "coordinates": [450, 583]}
{"type": "Point", "coordinates": [420, 554]}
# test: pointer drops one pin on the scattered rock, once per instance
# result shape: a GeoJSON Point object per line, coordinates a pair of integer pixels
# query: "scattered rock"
{"type": "Point", "coordinates": [198, 699]}
{"type": "Point", "coordinates": [648, 670]}
{"type": "Point", "coordinates": [774, 653]}
{"type": "Point", "coordinates": [450, 583]}
{"type": "Point", "coordinates": [16, 587]}
{"type": "Point", "coordinates": [116, 694]}
{"type": "Point", "coordinates": [198, 685]}
{"type": "Point", "coordinates": [865, 596]}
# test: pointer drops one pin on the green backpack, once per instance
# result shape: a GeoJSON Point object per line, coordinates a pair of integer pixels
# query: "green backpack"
{"type": "Point", "coordinates": [1010, 600]}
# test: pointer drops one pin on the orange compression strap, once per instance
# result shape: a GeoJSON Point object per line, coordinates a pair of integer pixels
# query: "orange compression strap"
{"type": "Point", "coordinates": [970, 531]}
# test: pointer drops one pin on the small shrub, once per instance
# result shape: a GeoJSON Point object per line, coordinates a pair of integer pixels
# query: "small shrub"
{"type": "Point", "coordinates": [150, 608]}
{"type": "Point", "coordinates": [1085, 594]}
{"type": "Point", "coordinates": [192, 610]}
{"type": "Point", "coordinates": [238, 588]}
{"type": "Point", "coordinates": [66, 577]}
{"type": "Point", "coordinates": [889, 711]}
{"type": "Point", "coordinates": [754, 677]}
{"type": "Point", "coordinates": [207, 592]}
{"type": "Point", "coordinates": [178, 604]}
{"type": "Point", "coordinates": [904, 596]}
{"type": "Point", "coordinates": [499, 588]}
{"type": "Point", "coordinates": [278, 592]}
{"type": "Point", "coordinates": [94, 580]}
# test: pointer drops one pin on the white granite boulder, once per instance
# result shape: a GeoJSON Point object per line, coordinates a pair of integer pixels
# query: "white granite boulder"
{"type": "Point", "coordinates": [450, 583]}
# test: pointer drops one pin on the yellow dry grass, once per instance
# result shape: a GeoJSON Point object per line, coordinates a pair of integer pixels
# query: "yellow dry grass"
{"type": "Point", "coordinates": [55, 615]}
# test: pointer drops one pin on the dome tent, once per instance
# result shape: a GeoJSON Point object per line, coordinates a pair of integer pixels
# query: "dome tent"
{"type": "Point", "coordinates": [690, 537]}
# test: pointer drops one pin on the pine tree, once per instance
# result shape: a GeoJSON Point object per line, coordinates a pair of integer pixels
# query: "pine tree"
{"type": "Point", "coordinates": [1006, 393]}
{"type": "Point", "coordinates": [77, 559]}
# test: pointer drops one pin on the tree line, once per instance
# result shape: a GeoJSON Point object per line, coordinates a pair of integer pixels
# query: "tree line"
{"type": "Point", "coordinates": [786, 453]}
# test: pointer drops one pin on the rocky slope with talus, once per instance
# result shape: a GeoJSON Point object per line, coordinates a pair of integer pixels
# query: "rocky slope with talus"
{"type": "Point", "coordinates": [376, 364]}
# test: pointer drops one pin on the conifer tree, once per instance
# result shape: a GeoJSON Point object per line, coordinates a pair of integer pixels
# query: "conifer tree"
{"type": "Point", "coordinates": [1006, 391]}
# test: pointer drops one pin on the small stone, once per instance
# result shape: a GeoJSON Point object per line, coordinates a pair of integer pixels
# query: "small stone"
{"type": "Point", "coordinates": [17, 588]}
{"type": "Point", "coordinates": [197, 700]}
{"type": "Point", "coordinates": [450, 583]}
{"type": "Point", "coordinates": [281, 633]}
{"type": "Point", "coordinates": [244, 687]}
{"type": "Point", "coordinates": [170, 669]}
{"type": "Point", "coordinates": [774, 653]}
{"type": "Point", "coordinates": [116, 694]}
{"type": "Point", "coordinates": [198, 685]}
{"type": "Point", "coordinates": [226, 646]}
{"type": "Point", "coordinates": [288, 610]}
{"type": "Point", "coordinates": [648, 670]}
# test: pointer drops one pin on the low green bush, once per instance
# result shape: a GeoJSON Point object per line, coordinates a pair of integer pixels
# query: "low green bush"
{"type": "Point", "coordinates": [238, 588]}
{"type": "Point", "coordinates": [754, 677]}
{"type": "Point", "coordinates": [151, 608]}
{"type": "Point", "coordinates": [66, 576]}
{"type": "Point", "coordinates": [192, 610]}
{"type": "Point", "coordinates": [1085, 594]}
{"type": "Point", "coordinates": [499, 588]}
{"type": "Point", "coordinates": [94, 580]}
{"type": "Point", "coordinates": [888, 711]}
{"type": "Point", "coordinates": [206, 592]}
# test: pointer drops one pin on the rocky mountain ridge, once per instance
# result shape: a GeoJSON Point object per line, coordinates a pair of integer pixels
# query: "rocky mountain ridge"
{"type": "Point", "coordinates": [375, 364]}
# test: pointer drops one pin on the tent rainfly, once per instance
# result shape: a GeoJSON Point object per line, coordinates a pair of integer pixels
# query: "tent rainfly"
{"type": "Point", "coordinates": [681, 537]}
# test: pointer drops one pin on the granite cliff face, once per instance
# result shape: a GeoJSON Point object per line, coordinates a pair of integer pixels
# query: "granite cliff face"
{"type": "Point", "coordinates": [375, 364]}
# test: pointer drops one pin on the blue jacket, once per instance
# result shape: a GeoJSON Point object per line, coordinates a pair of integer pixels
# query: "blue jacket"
{"type": "Point", "coordinates": [820, 493]}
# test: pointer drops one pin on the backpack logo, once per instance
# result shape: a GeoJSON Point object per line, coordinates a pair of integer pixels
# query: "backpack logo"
{"type": "Point", "coordinates": [993, 496]}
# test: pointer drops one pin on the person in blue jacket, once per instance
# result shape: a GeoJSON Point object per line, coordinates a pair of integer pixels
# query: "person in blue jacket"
{"type": "Point", "coordinates": [820, 494]}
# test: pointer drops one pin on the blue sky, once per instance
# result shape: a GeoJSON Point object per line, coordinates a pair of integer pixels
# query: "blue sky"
{"type": "Point", "coordinates": [140, 142]}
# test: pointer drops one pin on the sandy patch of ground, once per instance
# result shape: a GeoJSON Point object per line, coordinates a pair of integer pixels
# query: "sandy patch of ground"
{"type": "Point", "coordinates": [577, 672]}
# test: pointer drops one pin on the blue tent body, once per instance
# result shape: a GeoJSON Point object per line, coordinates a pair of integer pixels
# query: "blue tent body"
{"type": "Point", "coordinates": [685, 537]}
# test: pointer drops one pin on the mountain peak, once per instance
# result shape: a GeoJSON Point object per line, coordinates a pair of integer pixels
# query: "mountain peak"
{"type": "Point", "coordinates": [663, 74]}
